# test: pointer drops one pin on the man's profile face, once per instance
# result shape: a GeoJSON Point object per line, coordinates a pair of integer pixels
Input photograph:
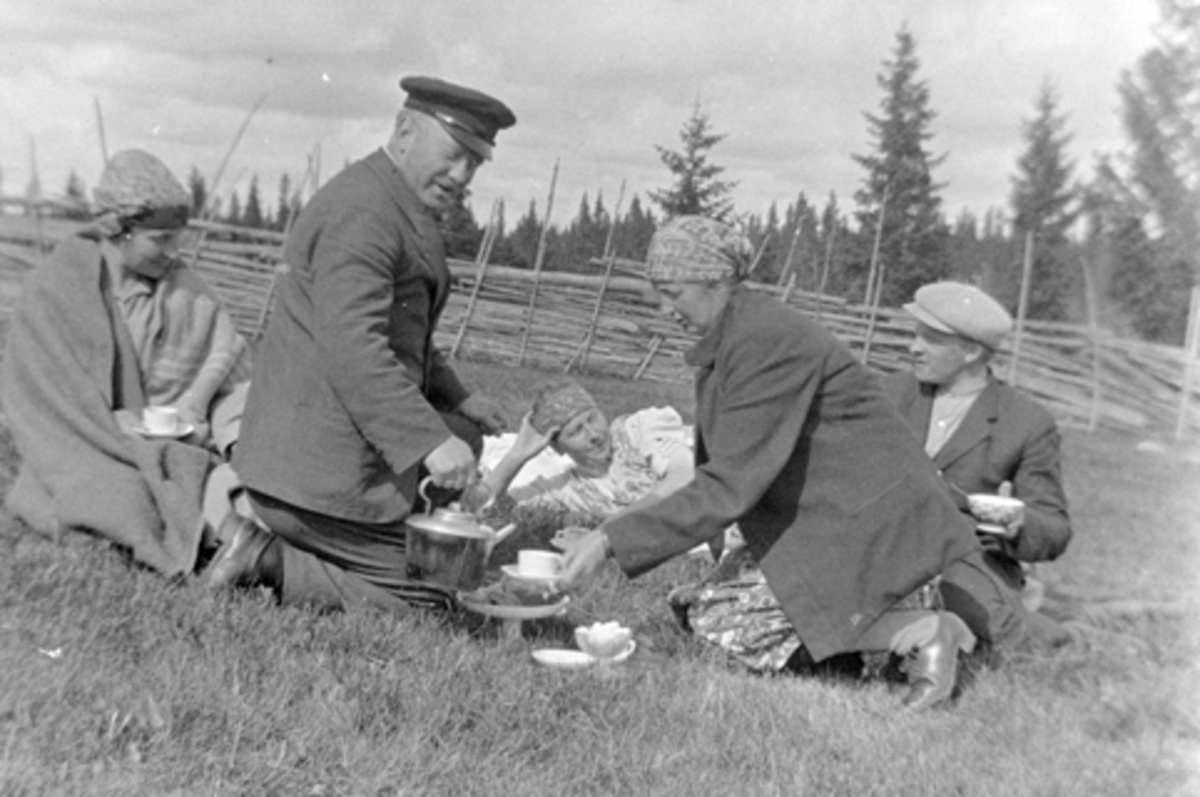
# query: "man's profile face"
{"type": "Point", "coordinates": [938, 357]}
{"type": "Point", "coordinates": [436, 166]}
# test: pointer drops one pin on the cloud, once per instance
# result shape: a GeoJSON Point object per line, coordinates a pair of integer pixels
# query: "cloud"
{"type": "Point", "coordinates": [595, 84]}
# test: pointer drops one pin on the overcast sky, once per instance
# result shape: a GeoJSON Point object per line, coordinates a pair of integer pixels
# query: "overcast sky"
{"type": "Point", "coordinates": [595, 85]}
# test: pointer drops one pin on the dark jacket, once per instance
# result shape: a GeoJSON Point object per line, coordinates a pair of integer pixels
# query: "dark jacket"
{"type": "Point", "coordinates": [1004, 436]}
{"type": "Point", "coordinates": [798, 445]}
{"type": "Point", "coordinates": [347, 386]}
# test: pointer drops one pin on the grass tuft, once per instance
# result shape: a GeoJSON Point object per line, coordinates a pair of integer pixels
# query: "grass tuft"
{"type": "Point", "coordinates": [118, 682]}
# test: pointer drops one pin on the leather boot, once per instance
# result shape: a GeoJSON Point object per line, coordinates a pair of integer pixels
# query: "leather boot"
{"type": "Point", "coordinates": [933, 673]}
{"type": "Point", "coordinates": [240, 560]}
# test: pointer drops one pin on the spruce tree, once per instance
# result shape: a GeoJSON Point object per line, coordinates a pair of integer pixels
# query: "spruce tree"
{"type": "Point", "coordinates": [199, 191]}
{"type": "Point", "coordinates": [1044, 205]}
{"type": "Point", "coordinates": [283, 213]}
{"type": "Point", "coordinates": [1157, 180]}
{"type": "Point", "coordinates": [899, 186]}
{"type": "Point", "coordinates": [697, 191]}
{"type": "Point", "coordinates": [252, 216]}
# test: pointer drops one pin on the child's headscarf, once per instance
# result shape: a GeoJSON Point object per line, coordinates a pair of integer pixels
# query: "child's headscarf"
{"type": "Point", "coordinates": [559, 402]}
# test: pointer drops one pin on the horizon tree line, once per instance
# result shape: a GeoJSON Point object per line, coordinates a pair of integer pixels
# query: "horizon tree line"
{"type": "Point", "coordinates": [1130, 236]}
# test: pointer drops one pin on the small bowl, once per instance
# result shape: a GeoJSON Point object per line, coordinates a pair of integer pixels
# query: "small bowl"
{"type": "Point", "coordinates": [998, 509]}
{"type": "Point", "coordinates": [603, 640]}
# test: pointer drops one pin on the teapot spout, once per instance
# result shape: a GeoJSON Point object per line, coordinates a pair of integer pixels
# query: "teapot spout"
{"type": "Point", "coordinates": [503, 533]}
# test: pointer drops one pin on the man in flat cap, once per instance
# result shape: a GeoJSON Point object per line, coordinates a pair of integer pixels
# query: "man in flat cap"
{"type": "Point", "coordinates": [984, 436]}
{"type": "Point", "coordinates": [352, 404]}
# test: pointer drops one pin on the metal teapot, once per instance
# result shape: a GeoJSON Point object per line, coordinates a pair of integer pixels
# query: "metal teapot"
{"type": "Point", "coordinates": [448, 547]}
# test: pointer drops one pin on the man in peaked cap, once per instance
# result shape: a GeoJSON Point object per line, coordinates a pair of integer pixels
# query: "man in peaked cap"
{"type": "Point", "coordinates": [352, 404]}
{"type": "Point", "coordinates": [983, 435]}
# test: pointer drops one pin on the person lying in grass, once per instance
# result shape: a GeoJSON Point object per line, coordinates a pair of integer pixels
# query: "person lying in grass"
{"type": "Point", "coordinates": [113, 322]}
{"type": "Point", "coordinates": [569, 456]}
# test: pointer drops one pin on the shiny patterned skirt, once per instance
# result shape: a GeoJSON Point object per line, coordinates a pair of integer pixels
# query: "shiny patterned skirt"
{"type": "Point", "coordinates": [734, 608]}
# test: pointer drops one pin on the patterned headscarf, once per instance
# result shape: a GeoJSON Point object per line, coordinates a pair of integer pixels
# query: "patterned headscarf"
{"type": "Point", "coordinates": [695, 249]}
{"type": "Point", "coordinates": [559, 402]}
{"type": "Point", "coordinates": [138, 190]}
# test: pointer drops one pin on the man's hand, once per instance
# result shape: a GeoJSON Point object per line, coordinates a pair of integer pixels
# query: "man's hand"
{"type": "Point", "coordinates": [484, 412]}
{"type": "Point", "coordinates": [451, 465]}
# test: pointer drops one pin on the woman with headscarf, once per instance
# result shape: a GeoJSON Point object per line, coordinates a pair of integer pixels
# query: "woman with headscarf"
{"type": "Point", "coordinates": [568, 454]}
{"type": "Point", "coordinates": [795, 442]}
{"type": "Point", "coordinates": [114, 322]}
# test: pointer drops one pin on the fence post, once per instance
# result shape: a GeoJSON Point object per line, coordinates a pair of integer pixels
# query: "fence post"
{"type": "Point", "coordinates": [481, 261]}
{"type": "Point", "coordinates": [1023, 302]}
{"type": "Point", "coordinates": [1191, 348]}
{"type": "Point", "coordinates": [610, 258]}
{"type": "Point", "coordinates": [537, 268]}
{"type": "Point", "coordinates": [1089, 295]}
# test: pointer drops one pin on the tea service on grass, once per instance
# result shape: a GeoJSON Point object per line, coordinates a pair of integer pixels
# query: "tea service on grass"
{"type": "Point", "coordinates": [599, 643]}
{"type": "Point", "coordinates": [535, 567]}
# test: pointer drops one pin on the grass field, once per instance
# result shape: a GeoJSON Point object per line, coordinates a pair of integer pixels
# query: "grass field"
{"type": "Point", "coordinates": [117, 682]}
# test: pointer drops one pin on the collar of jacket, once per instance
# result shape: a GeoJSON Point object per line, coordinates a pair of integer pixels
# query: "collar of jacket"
{"type": "Point", "coordinates": [704, 353]}
{"type": "Point", "coordinates": [380, 162]}
{"type": "Point", "coordinates": [975, 427]}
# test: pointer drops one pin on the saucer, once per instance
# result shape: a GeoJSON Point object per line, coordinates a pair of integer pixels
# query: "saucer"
{"type": "Point", "coordinates": [993, 528]}
{"type": "Point", "coordinates": [562, 658]}
{"type": "Point", "coordinates": [182, 430]}
{"type": "Point", "coordinates": [514, 612]}
{"type": "Point", "coordinates": [512, 572]}
{"type": "Point", "coordinates": [566, 659]}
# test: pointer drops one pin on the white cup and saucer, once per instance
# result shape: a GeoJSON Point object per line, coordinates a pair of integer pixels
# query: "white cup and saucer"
{"type": "Point", "coordinates": [163, 422]}
{"type": "Point", "coordinates": [534, 566]}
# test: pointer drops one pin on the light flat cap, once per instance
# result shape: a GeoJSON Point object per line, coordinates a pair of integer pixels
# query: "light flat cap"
{"type": "Point", "coordinates": [959, 309]}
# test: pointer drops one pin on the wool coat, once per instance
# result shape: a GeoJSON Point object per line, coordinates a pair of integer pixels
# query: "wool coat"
{"type": "Point", "coordinates": [796, 443]}
{"type": "Point", "coordinates": [347, 389]}
{"type": "Point", "coordinates": [69, 365]}
{"type": "Point", "coordinates": [1005, 436]}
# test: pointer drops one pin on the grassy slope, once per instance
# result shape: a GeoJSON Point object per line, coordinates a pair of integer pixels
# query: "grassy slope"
{"type": "Point", "coordinates": [116, 682]}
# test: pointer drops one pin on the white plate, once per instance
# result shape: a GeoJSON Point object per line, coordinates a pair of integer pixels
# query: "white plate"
{"type": "Point", "coordinates": [515, 612]}
{"type": "Point", "coordinates": [183, 430]}
{"type": "Point", "coordinates": [564, 658]}
{"type": "Point", "coordinates": [543, 581]}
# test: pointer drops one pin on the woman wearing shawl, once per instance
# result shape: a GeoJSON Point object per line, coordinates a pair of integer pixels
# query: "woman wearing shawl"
{"type": "Point", "coordinates": [838, 505]}
{"type": "Point", "coordinates": [111, 323]}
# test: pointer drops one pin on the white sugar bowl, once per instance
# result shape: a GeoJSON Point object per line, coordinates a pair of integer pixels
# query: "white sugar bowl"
{"type": "Point", "coordinates": [603, 640]}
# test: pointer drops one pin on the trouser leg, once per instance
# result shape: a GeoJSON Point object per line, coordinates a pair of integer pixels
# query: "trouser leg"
{"type": "Point", "coordinates": [991, 608]}
{"type": "Point", "coordinates": [333, 563]}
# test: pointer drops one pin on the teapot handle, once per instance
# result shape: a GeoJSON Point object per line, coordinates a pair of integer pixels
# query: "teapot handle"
{"type": "Point", "coordinates": [422, 487]}
{"type": "Point", "coordinates": [478, 493]}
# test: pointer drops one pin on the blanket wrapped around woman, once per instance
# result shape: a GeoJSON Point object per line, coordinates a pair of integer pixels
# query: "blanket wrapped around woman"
{"type": "Point", "coordinates": [69, 364]}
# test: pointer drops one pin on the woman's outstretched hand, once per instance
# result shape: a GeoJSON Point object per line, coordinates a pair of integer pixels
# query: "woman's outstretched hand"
{"type": "Point", "coordinates": [530, 442]}
{"type": "Point", "coordinates": [583, 558]}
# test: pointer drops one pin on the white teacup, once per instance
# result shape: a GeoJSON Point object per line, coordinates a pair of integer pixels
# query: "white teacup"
{"type": "Point", "coordinates": [161, 420]}
{"type": "Point", "coordinates": [998, 509]}
{"type": "Point", "coordinates": [538, 564]}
